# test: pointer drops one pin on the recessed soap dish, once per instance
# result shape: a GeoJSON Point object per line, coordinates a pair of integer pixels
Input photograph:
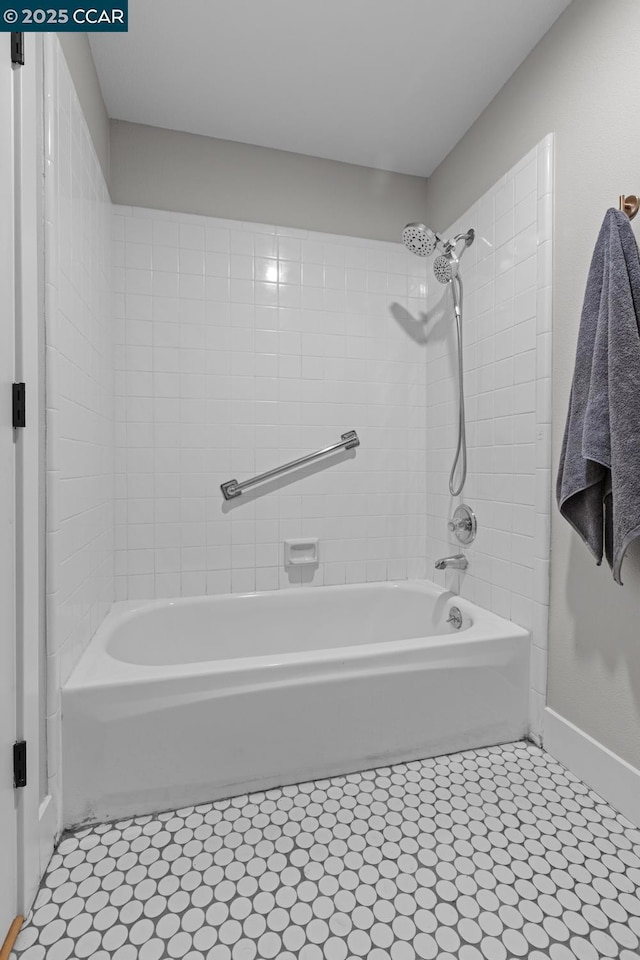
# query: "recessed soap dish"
{"type": "Point", "coordinates": [302, 552]}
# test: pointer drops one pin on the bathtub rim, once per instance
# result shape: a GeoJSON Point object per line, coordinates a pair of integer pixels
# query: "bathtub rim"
{"type": "Point", "coordinates": [484, 626]}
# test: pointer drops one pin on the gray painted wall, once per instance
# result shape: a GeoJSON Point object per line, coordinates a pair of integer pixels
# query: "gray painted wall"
{"type": "Point", "coordinates": [170, 170]}
{"type": "Point", "coordinates": [581, 82]}
{"type": "Point", "coordinates": [77, 52]}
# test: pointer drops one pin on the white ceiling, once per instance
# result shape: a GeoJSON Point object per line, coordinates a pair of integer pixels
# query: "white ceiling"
{"type": "Point", "coordinates": [391, 84]}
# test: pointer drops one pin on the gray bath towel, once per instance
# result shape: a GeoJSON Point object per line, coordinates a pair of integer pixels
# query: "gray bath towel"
{"type": "Point", "coordinates": [598, 488]}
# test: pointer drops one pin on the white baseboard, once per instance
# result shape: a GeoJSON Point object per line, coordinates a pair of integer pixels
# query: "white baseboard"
{"type": "Point", "coordinates": [613, 778]}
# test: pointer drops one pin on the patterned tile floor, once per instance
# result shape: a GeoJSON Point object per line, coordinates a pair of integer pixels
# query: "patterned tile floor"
{"type": "Point", "coordinates": [490, 854]}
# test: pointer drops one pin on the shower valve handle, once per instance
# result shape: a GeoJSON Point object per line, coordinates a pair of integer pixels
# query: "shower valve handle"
{"type": "Point", "coordinates": [462, 523]}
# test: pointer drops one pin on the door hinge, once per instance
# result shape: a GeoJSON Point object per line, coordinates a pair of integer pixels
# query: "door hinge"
{"type": "Point", "coordinates": [20, 764]}
{"type": "Point", "coordinates": [19, 405]}
{"type": "Point", "coordinates": [17, 49]}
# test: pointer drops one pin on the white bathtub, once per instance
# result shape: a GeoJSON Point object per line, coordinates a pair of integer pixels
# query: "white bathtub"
{"type": "Point", "coordinates": [184, 701]}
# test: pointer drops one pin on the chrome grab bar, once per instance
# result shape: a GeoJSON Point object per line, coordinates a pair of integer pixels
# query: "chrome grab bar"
{"type": "Point", "coordinates": [232, 488]}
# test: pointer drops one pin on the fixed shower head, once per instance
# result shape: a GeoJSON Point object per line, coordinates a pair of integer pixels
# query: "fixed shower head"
{"type": "Point", "coordinates": [445, 267]}
{"type": "Point", "coordinates": [419, 239]}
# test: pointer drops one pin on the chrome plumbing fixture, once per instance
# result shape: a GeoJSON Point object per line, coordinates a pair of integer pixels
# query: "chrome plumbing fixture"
{"type": "Point", "coordinates": [463, 524]}
{"type": "Point", "coordinates": [446, 267]}
{"type": "Point", "coordinates": [455, 618]}
{"type": "Point", "coordinates": [457, 562]}
{"type": "Point", "coordinates": [422, 241]}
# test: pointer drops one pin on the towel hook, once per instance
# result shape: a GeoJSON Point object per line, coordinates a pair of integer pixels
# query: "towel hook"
{"type": "Point", "coordinates": [630, 205]}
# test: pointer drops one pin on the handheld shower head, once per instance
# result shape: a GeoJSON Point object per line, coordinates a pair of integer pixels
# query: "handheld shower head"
{"type": "Point", "coordinates": [445, 267]}
{"type": "Point", "coordinates": [419, 239]}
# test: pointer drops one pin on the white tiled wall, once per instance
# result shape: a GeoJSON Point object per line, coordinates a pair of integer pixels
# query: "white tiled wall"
{"type": "Point", "coordinates": [507, 331]}
{"type": "Point", "coordinates": [241, 347]}
{"type": "Point", "coordinates": [79, 388]}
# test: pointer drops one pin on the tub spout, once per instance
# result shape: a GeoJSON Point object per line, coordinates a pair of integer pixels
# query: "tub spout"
{"type": "Point", "coordinates": [459, 562]}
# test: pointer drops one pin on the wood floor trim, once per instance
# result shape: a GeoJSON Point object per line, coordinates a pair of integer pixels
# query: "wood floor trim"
{"type": "Point", "coordinates": [11, 938]}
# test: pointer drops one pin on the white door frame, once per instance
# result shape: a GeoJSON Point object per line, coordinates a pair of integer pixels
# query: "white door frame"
{"type": "Point", "coordinates": [8, 666]}
{"type": "Point", "coordinates": [30, 467]}
{"type": "Point", "coordinates": [22, 560]}
{"type": "Point", "coordinates": [32, 819]}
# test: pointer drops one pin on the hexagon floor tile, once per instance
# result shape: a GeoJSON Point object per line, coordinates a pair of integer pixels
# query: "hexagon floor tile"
{"type": "Point", "coordinates": [489, 854]}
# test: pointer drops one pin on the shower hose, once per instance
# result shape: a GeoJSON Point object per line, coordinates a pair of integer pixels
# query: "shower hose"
{"type": "Point", "coordinates": [460, 459]}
